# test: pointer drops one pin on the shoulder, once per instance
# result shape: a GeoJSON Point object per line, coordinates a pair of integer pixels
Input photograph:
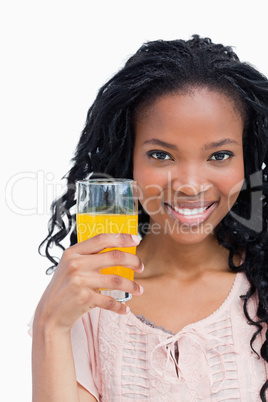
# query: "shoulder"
{"type": "Point", "coordinates": [96, 320]}
{"type": "Point", "coordinates": [253, 301]}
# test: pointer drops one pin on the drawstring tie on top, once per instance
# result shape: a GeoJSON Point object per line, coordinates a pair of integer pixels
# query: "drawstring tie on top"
{"type": "Point", "coordinates": [205, 342]}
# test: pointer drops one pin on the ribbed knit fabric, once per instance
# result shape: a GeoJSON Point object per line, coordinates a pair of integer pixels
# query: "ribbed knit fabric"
{"type": "Point", "coordinates": [126, 358]}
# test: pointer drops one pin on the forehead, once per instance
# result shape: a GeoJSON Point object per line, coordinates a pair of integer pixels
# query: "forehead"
{"type": "Point", "coordinates": [188, 95]}
{"type": "Point", "coordinates": [196, 112]}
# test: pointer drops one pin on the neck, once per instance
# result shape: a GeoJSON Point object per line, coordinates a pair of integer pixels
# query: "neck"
{"type": "Point", "coordinates": [163, 255]}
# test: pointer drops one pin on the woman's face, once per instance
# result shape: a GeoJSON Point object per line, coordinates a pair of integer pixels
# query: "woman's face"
{"type": "Point", "coordinates": [188, 162]}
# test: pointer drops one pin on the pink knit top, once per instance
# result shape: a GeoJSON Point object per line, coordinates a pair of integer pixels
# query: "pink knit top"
{"type": "Point", "coordinates": [122, 358]}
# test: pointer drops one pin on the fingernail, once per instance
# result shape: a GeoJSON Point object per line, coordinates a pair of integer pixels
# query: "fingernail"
{"type": "Point", "coordinates": [127, 309]}
{"type": "Point", "coordinates": [135, 239]}
{"type": "Point", "coordinates": [142, 267]}
{"type": "Point", "coordinates": [141, 289]}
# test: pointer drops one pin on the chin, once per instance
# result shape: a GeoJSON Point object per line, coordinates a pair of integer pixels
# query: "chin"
{"type": "Point", "coordinates": [194, 235]}
{"type": "Point", "coordinates": [182, 233]}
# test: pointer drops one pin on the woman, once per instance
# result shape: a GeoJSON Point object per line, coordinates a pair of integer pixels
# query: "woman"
{"type": "Point", "coordinates": [188, 121]}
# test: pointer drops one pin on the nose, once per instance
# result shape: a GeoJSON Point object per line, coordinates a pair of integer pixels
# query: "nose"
{"type": "Point", "coordinates": [190, 181]}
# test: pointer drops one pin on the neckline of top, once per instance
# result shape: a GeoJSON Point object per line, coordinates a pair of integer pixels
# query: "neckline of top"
{"type": "Point", "coordinates": [152, 328]}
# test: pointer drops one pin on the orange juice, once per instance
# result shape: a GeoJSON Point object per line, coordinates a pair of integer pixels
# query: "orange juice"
{"type": "Point", "coordinates": [89, 225]}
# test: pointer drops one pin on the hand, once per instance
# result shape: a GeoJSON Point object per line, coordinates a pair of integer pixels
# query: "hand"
{"type": "Point", "coordinates": [74, 288]}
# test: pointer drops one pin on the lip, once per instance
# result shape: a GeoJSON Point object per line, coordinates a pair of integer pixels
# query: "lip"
{"type": "Point", "coordinates": [191, 214]}
{"type": "Point", "coordinates": [191, 204]}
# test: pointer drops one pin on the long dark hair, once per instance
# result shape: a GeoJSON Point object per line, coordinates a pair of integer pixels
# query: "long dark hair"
{"type": "Point", "coordinates": [106, 146]}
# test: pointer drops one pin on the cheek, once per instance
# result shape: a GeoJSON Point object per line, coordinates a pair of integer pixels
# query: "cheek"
{"type": "Point", "coordinates": [150, 184]}
{"type": "Point", "coordinates": [231, 185]}
{"type": "Point", "coordinates": [145, 175]}
{"type": "Point", "coordinates": [150, 181]}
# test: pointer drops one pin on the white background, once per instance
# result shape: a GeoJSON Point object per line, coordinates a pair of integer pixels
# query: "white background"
{"type": "Point", "coordinates": [54, 57]}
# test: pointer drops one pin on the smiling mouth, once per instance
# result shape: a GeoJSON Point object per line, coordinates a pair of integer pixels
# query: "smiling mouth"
{"type": "Point", "coordinates": [188, 211]}
{"type": "Point", "coordinates": [190, 214]}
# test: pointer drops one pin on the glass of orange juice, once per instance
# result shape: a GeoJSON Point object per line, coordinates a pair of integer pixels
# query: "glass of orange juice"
{"type": "Point", "coordinates": [108, 206]}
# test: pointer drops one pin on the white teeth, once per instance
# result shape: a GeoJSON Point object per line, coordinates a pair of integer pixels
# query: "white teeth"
{"type": "Point", "coordinates": [187, 211]}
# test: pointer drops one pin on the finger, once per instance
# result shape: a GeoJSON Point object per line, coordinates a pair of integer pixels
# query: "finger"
{"type": "Point", "coordinates": [105, 240]}
{"type": "Point", "coordinates": [116, 282]}
{"type": "Point", "coordinates": [113, 258]}
{"type": "Point", "coordinates": [108, 303]}
{"type": "Point", "coordinates": [113, 282]}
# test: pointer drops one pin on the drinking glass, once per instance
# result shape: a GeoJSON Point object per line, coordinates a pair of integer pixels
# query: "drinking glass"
{"type": "Point", "coordinates": [108, 206]}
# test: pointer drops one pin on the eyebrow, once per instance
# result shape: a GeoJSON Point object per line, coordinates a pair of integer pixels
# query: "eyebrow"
{"type": "Point", "coordinates": [211, 145]}
{"type": "Point", "coordinates": [219, 143]}
{"type": "Point", "coordinates": [155, 141]}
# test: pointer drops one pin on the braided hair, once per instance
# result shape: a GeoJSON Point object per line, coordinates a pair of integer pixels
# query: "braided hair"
{"type": "Point", "coordinates": [159, 68]}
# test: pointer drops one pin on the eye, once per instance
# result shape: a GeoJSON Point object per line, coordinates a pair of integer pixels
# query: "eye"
{"type": "Point", "coordinates": [159, 155]}
{"type": "Point", "coordinates": [221, 156]}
